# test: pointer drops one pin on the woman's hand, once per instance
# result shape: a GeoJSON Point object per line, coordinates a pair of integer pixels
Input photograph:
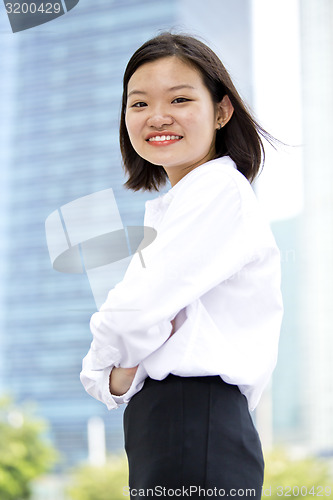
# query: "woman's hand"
{"type": "Point", "coordinates": [121, 380]}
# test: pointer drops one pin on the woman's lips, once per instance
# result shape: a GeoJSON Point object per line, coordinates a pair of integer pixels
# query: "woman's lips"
{"type": "Point", "coordinates": [163, 139]}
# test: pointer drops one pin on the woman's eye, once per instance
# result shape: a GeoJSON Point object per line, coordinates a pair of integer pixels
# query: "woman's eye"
{"type": "Point", "coordinates": [180, 99]}
{"type": "Point", "coordinates": [138, 105]}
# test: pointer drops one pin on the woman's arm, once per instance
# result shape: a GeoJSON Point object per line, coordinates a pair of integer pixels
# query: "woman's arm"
{"type": "Point", "coordinates": [199, 243]}
{"type": "Point", "coordinates": [207, 234]}
{"type": "Point", "coordinates": [121, 378]}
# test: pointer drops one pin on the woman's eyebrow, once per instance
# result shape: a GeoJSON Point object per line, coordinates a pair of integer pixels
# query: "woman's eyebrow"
{"type": "Point", "coordinates": [136, 92]}
{"type": "Point", "coordinates": [183, 86]}
{"type": "Point", "coordinates": [171, 89]}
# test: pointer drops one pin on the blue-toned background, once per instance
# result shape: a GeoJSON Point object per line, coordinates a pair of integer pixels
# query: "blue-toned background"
{"type": "Point", "coordinates": [60, 104]}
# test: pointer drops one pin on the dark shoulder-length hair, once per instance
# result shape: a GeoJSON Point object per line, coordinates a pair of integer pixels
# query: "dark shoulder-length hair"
{"type": "Point", "coordinates": [240, 138]}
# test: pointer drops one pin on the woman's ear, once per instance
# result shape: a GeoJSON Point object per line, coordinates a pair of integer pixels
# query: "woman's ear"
{"type": "Point", "coordinates": [224, 112]}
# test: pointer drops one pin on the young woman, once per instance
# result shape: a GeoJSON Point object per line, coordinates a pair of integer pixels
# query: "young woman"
{"type": "Point", "coordinates": [189, 339]}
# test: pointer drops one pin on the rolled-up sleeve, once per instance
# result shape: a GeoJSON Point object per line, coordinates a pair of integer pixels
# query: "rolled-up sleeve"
{"type": "Point", "coordinates": [96, 380]}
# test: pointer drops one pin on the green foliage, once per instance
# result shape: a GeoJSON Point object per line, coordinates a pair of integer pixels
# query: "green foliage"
{"type": "Point", "coordinates": [24, 453]}
{"type": "Point", "coordinates": [100, 483]}
{"type": "Point", "coordinates": [285, 478]}
{"type": "Point", "coordinates": [306, 478]}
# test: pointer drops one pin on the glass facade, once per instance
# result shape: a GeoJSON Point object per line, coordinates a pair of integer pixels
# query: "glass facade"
{"type": "Point", "coordinates": [63, 145]}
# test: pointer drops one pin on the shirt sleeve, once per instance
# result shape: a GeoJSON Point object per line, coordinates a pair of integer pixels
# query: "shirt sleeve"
{"type": "Point", "coordinates": [96, 382]}
{"type": "Point", "coordinates": [201, 241]}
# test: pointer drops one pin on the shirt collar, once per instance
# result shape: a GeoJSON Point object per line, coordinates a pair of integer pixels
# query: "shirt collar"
{"type": "Point", "coordinates": [166, 198]}
{"type": "Point", "coordinates": [172, 191]}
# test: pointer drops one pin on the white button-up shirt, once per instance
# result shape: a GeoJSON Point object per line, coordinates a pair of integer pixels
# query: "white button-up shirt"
{"type": "Point", "coordinates": [214, 267]}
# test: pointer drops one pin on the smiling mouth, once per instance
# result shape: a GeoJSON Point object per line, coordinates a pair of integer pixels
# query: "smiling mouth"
{"type": "Point", "coordinates": [163, 138]}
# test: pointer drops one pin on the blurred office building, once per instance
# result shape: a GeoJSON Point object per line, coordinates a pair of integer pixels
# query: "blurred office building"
{"type": "Point", "coordinates": [293, 78]}
{"type": "Point", "coordinates": [316, 288]}
{"type": "Point", "coordinates": [61, 144]}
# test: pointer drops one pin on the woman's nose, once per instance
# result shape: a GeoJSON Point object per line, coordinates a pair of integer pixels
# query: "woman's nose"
{"type": "Point", "coordinates": [159, 118]}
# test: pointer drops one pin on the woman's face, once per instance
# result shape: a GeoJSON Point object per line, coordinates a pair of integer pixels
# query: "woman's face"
{"type": "Point", "coordinates": [171, 118]}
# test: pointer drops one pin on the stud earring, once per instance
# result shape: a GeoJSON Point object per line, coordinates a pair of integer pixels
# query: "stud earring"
{"type": "Point", "coordinates": [220, 126]}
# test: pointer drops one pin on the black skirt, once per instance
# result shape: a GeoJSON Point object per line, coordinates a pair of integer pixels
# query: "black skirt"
{"type": "Point", "coordinates": [192, 437]}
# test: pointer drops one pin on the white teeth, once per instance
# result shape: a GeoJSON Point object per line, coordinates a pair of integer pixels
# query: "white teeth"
{"type": "Point", "coordinates": [164, 138]}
